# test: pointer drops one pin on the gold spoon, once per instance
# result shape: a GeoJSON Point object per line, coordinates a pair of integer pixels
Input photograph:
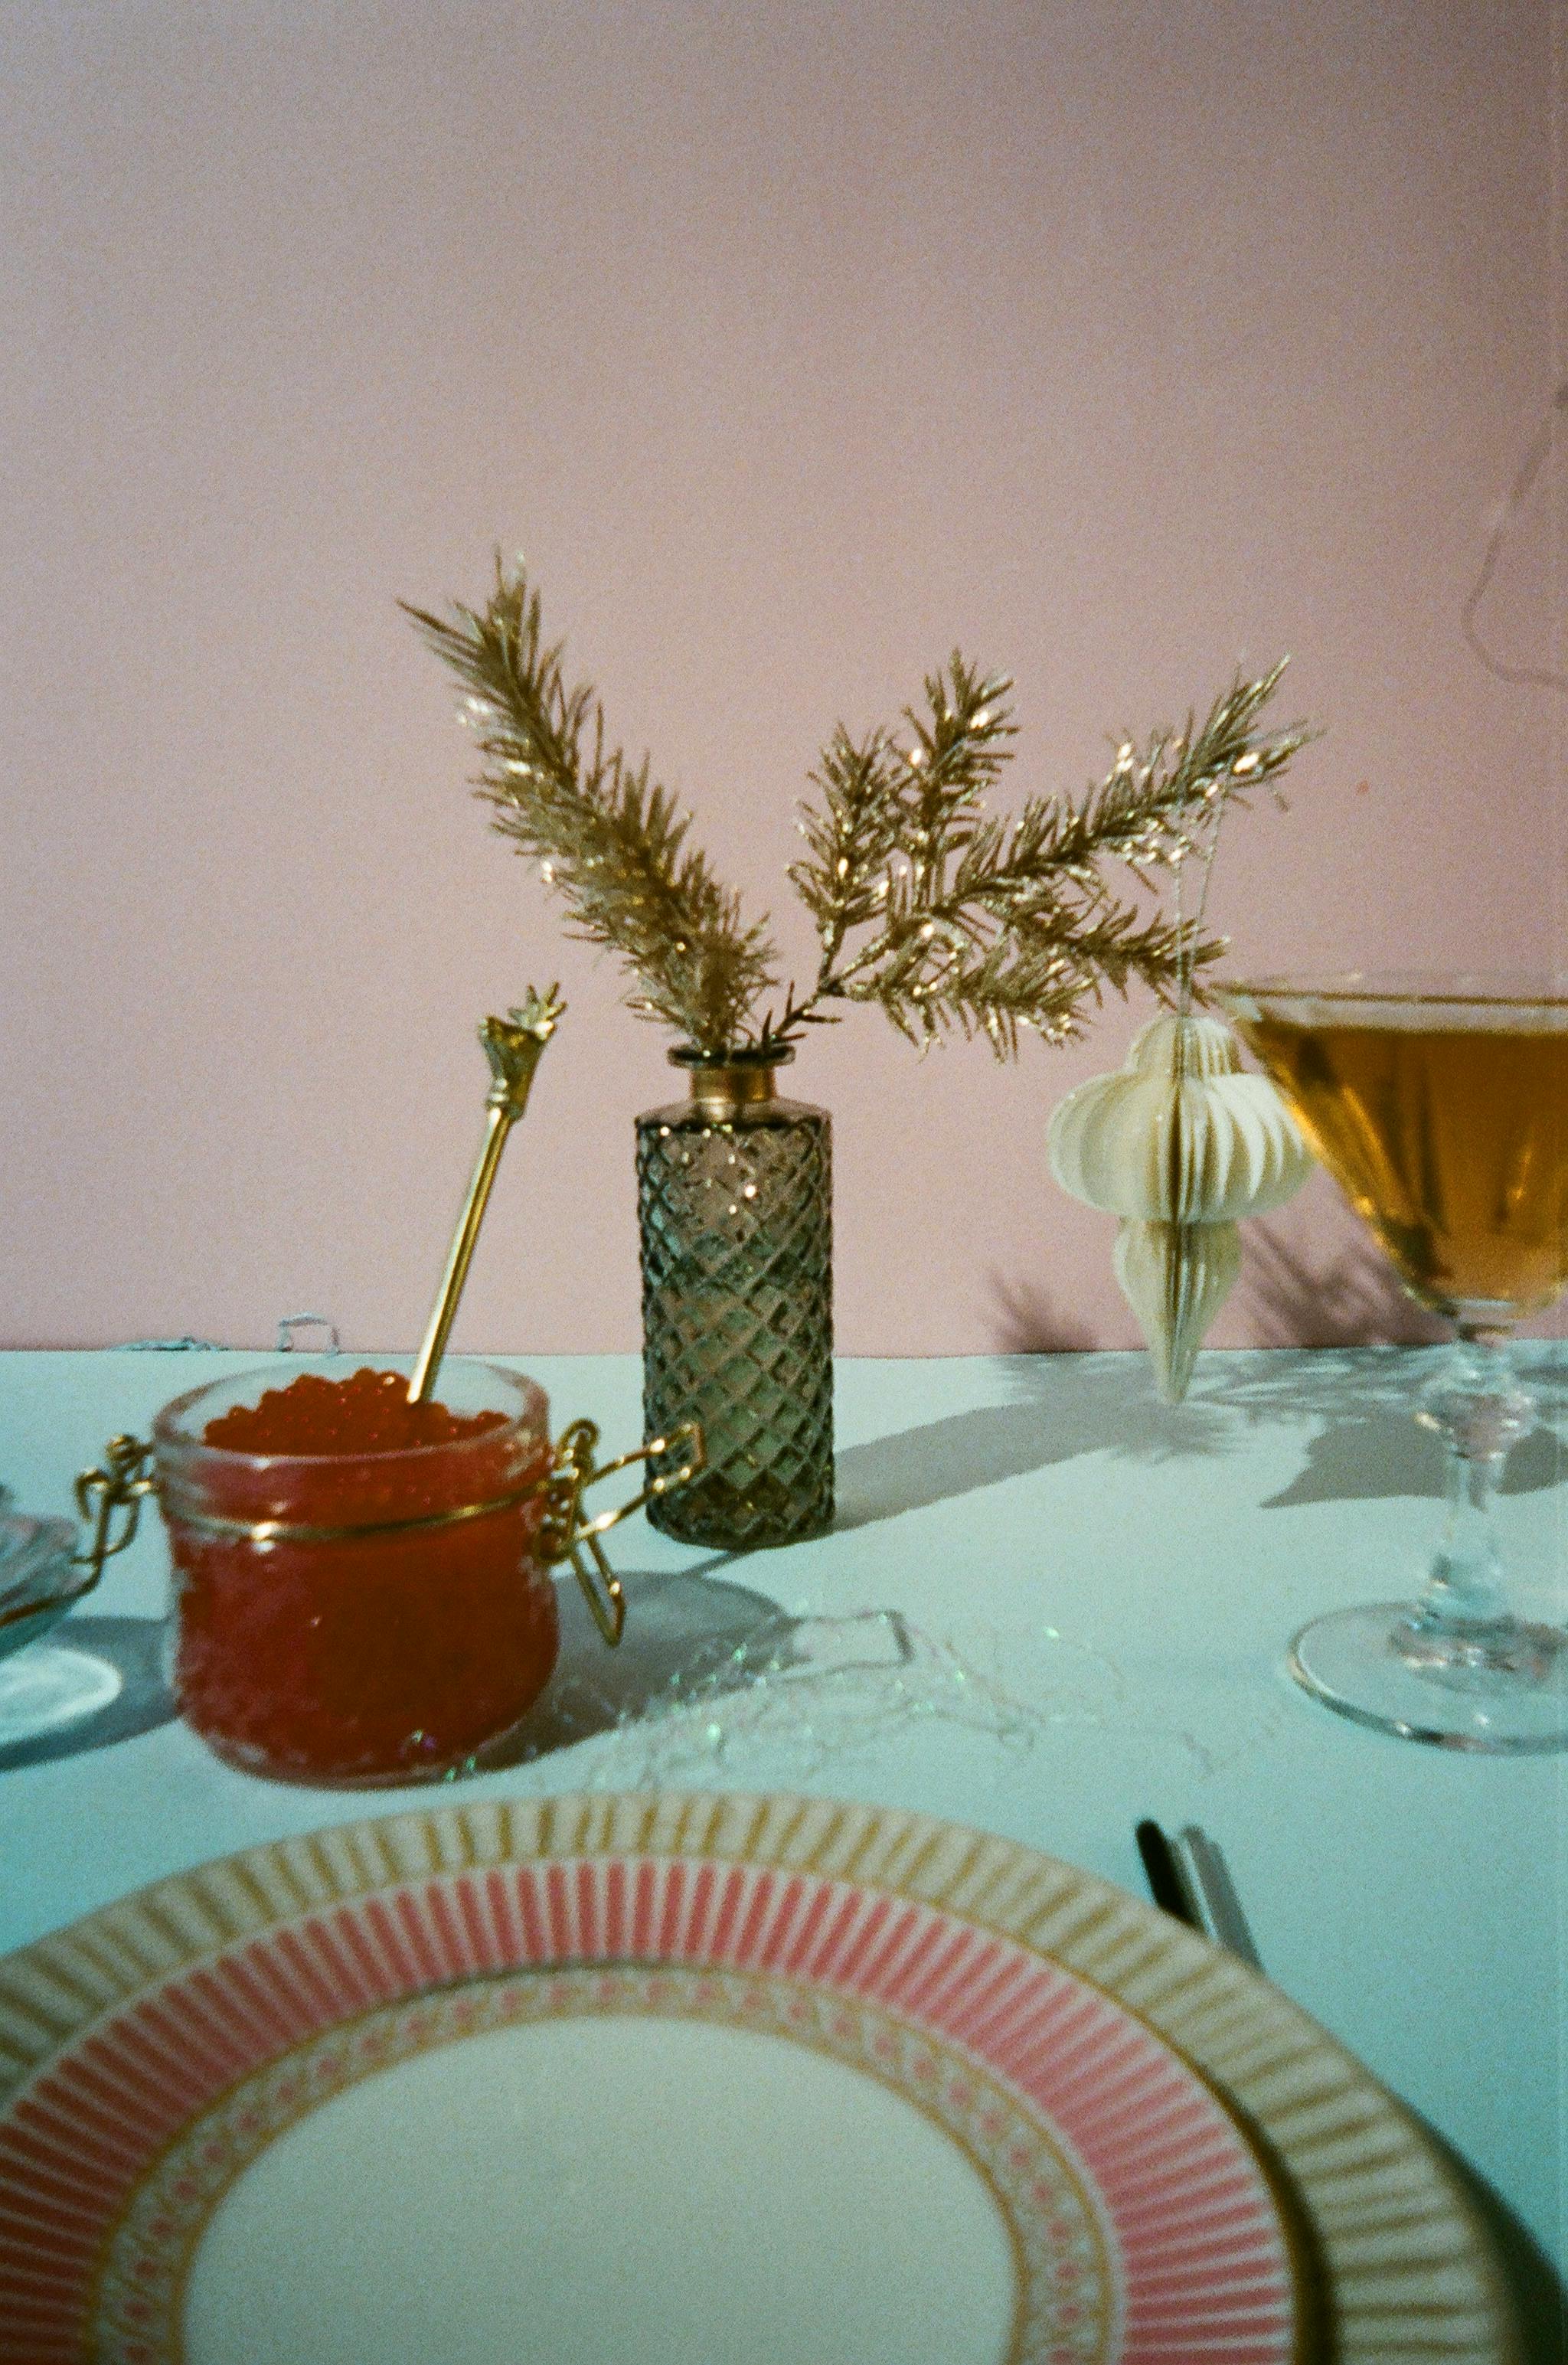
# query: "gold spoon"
{"type": "Point", "coordinates": [513, 1045]}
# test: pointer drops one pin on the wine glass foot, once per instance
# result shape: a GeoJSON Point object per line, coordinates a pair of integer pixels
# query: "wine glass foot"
{"type": "Point", "coordinates": [1378, 1665]}
{"type": "Point", "coordinates": [46, 1687]}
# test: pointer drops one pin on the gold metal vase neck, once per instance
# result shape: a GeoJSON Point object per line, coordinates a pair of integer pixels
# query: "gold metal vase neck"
{"type": "Point", "coordinates": [723, 1088]}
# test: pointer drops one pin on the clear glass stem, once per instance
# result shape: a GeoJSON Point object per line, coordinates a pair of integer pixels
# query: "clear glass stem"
{"type": "Point", "coordinates": [1463, 1624]}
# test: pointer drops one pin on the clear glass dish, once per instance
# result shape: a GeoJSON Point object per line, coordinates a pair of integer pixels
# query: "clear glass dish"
{"type": "Point", "coordinates": [44, 1685]}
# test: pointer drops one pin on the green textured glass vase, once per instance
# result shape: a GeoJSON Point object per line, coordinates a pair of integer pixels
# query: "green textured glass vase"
{"type": "Point", "coordinates": [734, 1204]}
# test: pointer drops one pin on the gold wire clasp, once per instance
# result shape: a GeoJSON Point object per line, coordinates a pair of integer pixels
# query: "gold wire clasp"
{"type": "Point", "coordinates": [564, 1534]}
{"type": "Point", "coordinates": [122, 1485]}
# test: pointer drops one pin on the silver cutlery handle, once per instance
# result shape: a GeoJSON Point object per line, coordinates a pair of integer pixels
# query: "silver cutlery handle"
{"type": "Point", "coordinates": [1207, 1876]}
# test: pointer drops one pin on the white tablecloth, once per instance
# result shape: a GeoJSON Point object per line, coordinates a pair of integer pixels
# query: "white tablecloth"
{"type": "Point", "coordinates": [1128, 1576]}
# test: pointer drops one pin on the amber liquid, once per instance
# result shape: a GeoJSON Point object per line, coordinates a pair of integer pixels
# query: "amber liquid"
{"type": "Point", "coordinates": [1452, 1141]}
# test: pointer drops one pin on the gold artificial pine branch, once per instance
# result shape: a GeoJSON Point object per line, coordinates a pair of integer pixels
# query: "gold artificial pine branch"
{"type": "Point", "coordinates": [605, 834]}
{"type": "Point", "coordinates": [947, 917]}
{"type": "Point", "coordinates": [992, 926]}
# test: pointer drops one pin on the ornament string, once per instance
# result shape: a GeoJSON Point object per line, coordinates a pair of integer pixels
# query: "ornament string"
{"type": "Point", "coordinates": [1535, 459]}
{"type": "Point", "coordinates": [1189, 937]}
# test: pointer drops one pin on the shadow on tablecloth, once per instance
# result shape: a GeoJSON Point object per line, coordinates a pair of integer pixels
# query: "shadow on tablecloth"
{"type": "Point", "coordinates": [1365, 1446]}
{"type": "Point", "coordinates": [687, 1630]}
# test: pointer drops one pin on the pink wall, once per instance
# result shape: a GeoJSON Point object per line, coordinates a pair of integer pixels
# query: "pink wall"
{"type": "Point", "coordinates": [1115, 340]}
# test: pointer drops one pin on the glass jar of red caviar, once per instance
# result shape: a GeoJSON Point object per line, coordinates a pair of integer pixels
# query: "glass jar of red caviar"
{"type": "Point", "coordinates": [359, 1593]}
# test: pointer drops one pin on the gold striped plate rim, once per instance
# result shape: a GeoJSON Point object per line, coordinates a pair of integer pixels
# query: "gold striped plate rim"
{"type": "Point", "coordinates": [1409, 2275]}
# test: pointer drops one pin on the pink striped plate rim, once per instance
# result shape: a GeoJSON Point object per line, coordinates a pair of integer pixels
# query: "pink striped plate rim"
{"type": "Point", "coordinates": [151, 2052]}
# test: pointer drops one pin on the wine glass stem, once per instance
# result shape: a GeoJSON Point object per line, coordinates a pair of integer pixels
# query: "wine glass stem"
{"type": "Point", "coordinates": [1478, 1408]}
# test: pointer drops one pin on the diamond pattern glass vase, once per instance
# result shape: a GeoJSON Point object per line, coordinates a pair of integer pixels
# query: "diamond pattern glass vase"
{"type": "Point", "coordinates": [734, 1204]}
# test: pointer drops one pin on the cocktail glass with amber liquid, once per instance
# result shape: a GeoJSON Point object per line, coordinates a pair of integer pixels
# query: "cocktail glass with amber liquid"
{"type": "Point", "coordinates": [1440, 1107]}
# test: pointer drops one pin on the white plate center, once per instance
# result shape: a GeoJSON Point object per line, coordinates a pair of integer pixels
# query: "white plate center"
{"type": "Point", "coordinates": [608, 2192]}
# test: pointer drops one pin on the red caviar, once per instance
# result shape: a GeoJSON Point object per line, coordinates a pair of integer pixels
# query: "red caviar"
{"type": "Point", "coordinates": [368, 1413]}
{"type": "Point", "coordinates": [391, 1642]}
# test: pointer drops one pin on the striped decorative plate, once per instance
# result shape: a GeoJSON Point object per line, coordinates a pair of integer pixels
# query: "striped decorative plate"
{"type": "Point", "coordinates": [705, 2081]}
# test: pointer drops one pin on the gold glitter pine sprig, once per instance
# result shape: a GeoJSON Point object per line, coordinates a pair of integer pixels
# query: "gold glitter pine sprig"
{"type": "Point", "coordinates": [949, 918]}
{"type": "Point", "coordinates": [990, 926]}
{"type": "Point", "coordinates": [606, 835]}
